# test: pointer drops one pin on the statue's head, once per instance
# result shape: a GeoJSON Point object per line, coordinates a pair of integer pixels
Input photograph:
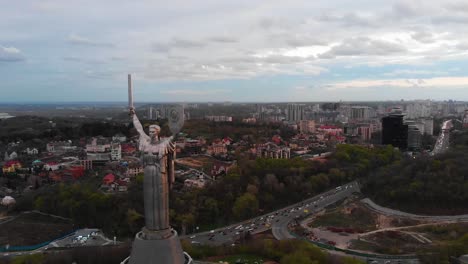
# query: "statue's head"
{"type": "Point", "coordinates": [154, 131]}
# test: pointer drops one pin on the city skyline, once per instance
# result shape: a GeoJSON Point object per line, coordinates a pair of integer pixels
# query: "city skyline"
{"type": "Point", "coordinates": [247, 51]}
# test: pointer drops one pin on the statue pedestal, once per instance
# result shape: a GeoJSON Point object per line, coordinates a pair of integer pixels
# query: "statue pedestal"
{"type": "Point", "coordinates": [148, 249]}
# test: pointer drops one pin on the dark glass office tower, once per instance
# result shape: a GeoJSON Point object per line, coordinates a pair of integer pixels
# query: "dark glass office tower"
{"type": "Point", "coordinates": [394, 131]}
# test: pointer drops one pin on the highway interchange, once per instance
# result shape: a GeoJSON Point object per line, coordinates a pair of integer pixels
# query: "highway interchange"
{"type": "Point", "coordinates": [279, 220]}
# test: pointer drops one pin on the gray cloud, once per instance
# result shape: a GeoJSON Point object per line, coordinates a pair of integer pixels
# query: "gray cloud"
{"type": "Point", "coordinates": [349, 19]}
{"type": "Point", "coordinates": [407, 9]}
{"type": "Point", "coordinates": [79, 40]}
{"type": "Point", "coordinates": [176, 43]}
{"type": "Point", "coordinates": [297, 39]}
{"type": "Point", "coordinates": [363, 46]}
{"type": "Point", "coordinates": [423, 36]}
{"type": "Point", "coordinates": [10, 54]}
{"type": "Point", "coordinates": [222, 39]}
{"type": "Point", "coordinates": [186, 44]}
{"type": "Point", "coordinates": [278, 23]}
{"type": "Point", "coordinates": [461, 7]}
{"type": "Point", "coordinates": [450, 19]}
{"type": "Point", "coordinates": [462, 46]}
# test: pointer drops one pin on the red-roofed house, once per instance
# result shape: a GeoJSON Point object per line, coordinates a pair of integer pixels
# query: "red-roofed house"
{"type": "Point", "coordinates": [332, 130]}
{"type": "Point", "coordinates": [276, 139]}
{"type": "Point", "coordinates": [11, 166]}
{"type": "Point", "coordinates": [227, 141]}
{"type": "Point", "coordinates": [128, 149]}
{"type": "Point", "coordinates": [52, 165]}
{"type": "Point", "coordinates": [108, 179]}
{"type": "Point", "coordinates": [76, 171]}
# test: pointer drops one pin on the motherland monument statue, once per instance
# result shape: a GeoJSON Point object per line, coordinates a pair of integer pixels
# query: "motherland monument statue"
{"type": "Point", "coordinates": [157, 242]}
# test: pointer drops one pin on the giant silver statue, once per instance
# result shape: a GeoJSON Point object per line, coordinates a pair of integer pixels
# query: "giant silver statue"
{"type": "Point", "coordinates": [158, 161]}
{"type": "Point", "coordinates": [157, 242]}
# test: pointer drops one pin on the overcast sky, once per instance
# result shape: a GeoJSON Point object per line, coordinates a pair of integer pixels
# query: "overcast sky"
{"type": "Point", "coordinates": [242, 50]}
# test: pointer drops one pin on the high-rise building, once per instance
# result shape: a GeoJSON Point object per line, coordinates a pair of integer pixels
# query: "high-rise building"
{"type": "Point", "coordinates": [429, 126]}
{"type": "Point", "coordinates": [150, 113]}
{"type": "Point", "coordinates": [365, 132]}
{"type": "Point", "coordinates": [360, 113]}
{"type": "Point", "coordinates": [394, 131]}
{"type": "Point", "coordinates": [414, 138]}
{"type": "Point", "coordinates": [295, 112]}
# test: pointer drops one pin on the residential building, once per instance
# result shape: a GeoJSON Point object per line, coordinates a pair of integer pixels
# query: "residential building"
{"type": "Point", "coordinates": [99, 149]}
{"type": "Point", "coordinates": [428, 126]}
{"type": "Point", "coordinates": [151, 113]}
{"type": "Point", "coordinates": [365, 132]}
{"type": "Point", "coordinates": [219, 118]}
{"type": "Point", "coordinates": [195, 183]}
{"type": "Point", "coordinates": [31, 152]}
{"type": "Point", "coordinates": [330, 130]}
{"type": "Point", "coordinates": [60, 147]}
{"type": "Point", "coordinates": [307, 126]}
{"type": "Point", "coordinates": [12, 156]}
{"type": "Point", "coordinates": [52, 166]}
{"type": "Point", "coordinates": [116, 151]}
{"type": "Point", "coordinates": [359, 113]}
{"type": "Point", "coordinates": [295, 112]}
{"type": "Point", "coordinates": [273, 151]}
{"type": "Point", "coordinates": [217, 148]}
{"type": "Point", "coordinates": [134, 170]}
{"type": "Point", "coordinates": [11, 166]}
{"type": "Point", "coordinates": [120, 138]}
{"type": "Point", "coordinates": [86, 164]}
{"type": "Point", "coordinates": [414, 138]}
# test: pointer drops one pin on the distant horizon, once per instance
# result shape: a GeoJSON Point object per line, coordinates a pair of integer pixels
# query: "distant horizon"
{"type": "Point", "coordinates": [223, 102]}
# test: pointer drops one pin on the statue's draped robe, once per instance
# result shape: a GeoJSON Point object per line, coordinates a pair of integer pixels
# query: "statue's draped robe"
{"type": "Point", "coordinates": [158, 161]}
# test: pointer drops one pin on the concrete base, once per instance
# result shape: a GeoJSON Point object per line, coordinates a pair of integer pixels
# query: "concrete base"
{"type": "Point", "coordinates": [161, 251]}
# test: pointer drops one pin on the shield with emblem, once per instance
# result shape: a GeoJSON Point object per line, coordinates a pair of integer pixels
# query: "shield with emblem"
{"type": "Point", "coordinates": [176, 119]}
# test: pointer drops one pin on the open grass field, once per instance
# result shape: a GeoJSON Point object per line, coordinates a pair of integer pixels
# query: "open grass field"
{"type": "Point", "coordinates": [357, 218]}
{"type": "Point", "coordinates": [196, 162]}
{"type": "Point", "coordinates": [33, 228]}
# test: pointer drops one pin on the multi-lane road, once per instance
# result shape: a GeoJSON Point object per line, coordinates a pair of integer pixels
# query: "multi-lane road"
{"type": "Point", "coordinates": [277, 221]}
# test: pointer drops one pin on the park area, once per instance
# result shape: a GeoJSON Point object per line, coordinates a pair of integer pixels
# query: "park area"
{"type": "Point", "coordinates": [32, 228]}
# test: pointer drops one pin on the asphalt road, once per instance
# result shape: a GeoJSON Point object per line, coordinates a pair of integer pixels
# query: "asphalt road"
{"type": "Point", "coordinates": [432, 218]}
{"type": "Point", "coordinates": [277, 220]}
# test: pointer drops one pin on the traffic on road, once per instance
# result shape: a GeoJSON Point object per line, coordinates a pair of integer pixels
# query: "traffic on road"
{"type": "Point", "coordinates": [277, 220]}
